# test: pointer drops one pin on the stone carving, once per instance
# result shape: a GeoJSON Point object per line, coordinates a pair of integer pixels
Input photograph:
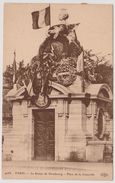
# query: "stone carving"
{"type": "Point", "coordinates": [42, 101]}
{"type": "Point", "coordinates": [66, 72]}
{"type": "Point", "coordinates": [56, 61]}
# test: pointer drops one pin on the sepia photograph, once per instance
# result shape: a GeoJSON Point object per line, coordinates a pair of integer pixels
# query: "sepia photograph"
{"type": "Point", "coordinates": [57, 109]}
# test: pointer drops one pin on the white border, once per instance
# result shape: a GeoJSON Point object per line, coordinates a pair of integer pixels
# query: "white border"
{"type": "Point", "coordinates": [1, 68]}
{"type": "Point", "coordinates": [60, 1]}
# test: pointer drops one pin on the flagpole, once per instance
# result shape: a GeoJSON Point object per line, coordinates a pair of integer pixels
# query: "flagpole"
{"type": "Point", "coordinates": [14, 68]}
{"type": "Point", "coordinates": [83, 83]}
{"type": "Point", "coordinates": [82, 76]}
{"type": "Point", "coordinates": [50, 13]}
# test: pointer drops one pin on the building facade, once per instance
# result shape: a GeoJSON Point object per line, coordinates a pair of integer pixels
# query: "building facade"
{"type": "Point", "coordinates": [57, 115]}
{"type": "Point", "coordinates": [74, 127]}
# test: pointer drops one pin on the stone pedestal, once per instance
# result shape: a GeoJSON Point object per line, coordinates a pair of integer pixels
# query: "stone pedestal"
{"type": "Point", "coordinates": [19, 142]}
{"type": "Point", "coordinates": [74, 126]}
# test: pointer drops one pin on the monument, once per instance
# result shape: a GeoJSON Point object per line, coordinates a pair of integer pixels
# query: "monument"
{"type": "Point", "coordinates": [57, 114]}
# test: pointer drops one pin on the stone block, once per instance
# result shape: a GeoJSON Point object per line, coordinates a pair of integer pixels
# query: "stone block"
{"type": "Point", "coordinates": [94, 153]}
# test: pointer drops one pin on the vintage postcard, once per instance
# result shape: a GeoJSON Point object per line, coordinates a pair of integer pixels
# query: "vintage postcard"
{"type": "Point", "coordinates": [57, 91]}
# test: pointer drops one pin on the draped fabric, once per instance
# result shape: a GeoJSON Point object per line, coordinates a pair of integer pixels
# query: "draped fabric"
{"type": "Point", "coordinates": [56, 59]}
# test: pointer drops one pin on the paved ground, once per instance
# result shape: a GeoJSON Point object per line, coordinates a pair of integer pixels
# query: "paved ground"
{"type": "Point", "coordinates": [57, 170]}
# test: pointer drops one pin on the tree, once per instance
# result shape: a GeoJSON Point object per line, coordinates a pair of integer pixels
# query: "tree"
{"type": "Point", "coordinates": [8, 77]}
{"type": "Point", "coordinates": [97, 69]}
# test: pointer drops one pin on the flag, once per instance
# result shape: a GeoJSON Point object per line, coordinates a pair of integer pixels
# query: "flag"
{"type": "Point", "coordinates": [30, 89]}
{"type": "Point", "coordinates": [41, 18]}
{"type": "Point", "coordinates": [80, 62]}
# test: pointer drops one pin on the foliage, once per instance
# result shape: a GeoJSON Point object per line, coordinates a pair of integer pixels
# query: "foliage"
{"type": "Point", "coordinates": [97, 69]}
{"type": "Point", "coordinates": [8, 76]}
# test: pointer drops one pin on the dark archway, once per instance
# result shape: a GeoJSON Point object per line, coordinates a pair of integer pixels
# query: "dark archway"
{"type": "Point", "coordinates": [100, 123]}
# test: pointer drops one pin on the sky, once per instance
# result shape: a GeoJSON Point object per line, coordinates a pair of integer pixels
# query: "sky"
{"type": "Point", "coordinates": [94, 31]}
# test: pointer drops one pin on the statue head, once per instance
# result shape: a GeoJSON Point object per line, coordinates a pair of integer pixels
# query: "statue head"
{"type": "Point", "coordinates": [63, 15]}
